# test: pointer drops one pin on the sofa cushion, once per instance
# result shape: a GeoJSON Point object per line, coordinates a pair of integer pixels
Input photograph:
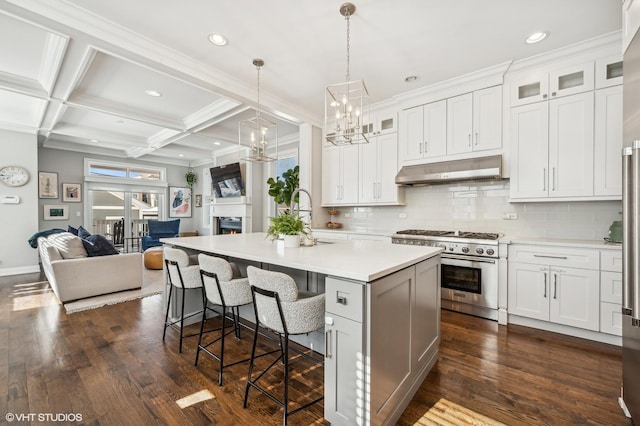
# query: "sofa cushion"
{"type": "Point", "coordinates": [98, 245]}
{"type": "Point", "coordinates": [83, 233]}
{"type": "Point", "coordinates": [69, 246]}
{"type": "Point", "coordinates": [73, 230]}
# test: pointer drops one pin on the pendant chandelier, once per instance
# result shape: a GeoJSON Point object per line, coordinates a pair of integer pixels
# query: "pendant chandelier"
{"type": "Point", "coordinates": [346, 105]}
{"type": "Point", "coordinates": [257, 135]}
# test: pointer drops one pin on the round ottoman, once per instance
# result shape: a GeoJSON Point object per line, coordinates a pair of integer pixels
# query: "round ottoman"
{"type": "Point", "coordinates": [153, 258]}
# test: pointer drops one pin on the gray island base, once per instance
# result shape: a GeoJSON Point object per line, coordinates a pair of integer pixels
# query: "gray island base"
{"type": "Point", "coordinates": [382, 319]}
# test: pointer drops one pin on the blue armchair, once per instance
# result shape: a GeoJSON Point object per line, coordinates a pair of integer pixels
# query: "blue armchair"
{"type": "Point", "coordinates": [160, 229]}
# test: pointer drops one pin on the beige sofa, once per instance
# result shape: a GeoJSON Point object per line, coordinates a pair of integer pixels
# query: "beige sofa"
{"type": "Point", "coordinates": [73, 275]}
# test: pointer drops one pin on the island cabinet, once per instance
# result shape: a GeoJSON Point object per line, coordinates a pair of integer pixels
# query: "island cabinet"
{"type": "Point", "coordinates": [381, 339]}
{"type": "Point", "coordinates": [382, 315]}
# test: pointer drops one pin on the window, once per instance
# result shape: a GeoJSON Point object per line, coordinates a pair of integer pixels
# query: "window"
{"type": "Point", "coordinates": [106, 169]}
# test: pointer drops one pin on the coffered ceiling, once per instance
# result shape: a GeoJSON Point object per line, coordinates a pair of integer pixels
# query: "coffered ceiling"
{"type": "Point", "coordinates": [76, 72]}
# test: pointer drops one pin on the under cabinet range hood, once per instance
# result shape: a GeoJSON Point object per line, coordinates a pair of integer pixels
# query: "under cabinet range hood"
{"type": "Point", "coordinates": [482, 168]}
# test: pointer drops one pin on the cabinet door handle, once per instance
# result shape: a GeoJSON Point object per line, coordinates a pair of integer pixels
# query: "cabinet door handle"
{"type": "Point", "coordinates": [555, 286]}
{"type": "Point", "coordinates": [374, 190]}
{"type": "Point", "coordinates": [425, 147]}
{"type": "Point", "coordinates": [544, 96]}
{"type": "Point", "coordinates": [545, 285]}
{"type": "Point", "coordinates": [469, 135]}
{"type": "Point", "coordinates": [420, 148]}
{"type": "Point", "coordinates": [553, 178]}
{"type": "Point", "coordinates": [553, 93]}
{"type": "Point", "coordinates": [548, 256]}
{"type": "Point", "coordinates": [327, 344]}
{"type": "Point", "coordinates": [544, 179]}
{"type": "Point", "coordinates": [476, 138]}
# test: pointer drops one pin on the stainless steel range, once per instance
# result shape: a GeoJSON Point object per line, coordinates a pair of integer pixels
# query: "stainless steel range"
{"type": "Point", "coordinates": [469, 271]}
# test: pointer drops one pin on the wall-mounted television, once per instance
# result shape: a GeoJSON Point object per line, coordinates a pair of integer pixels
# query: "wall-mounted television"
{"type": "Point", "coordinates": [227, 181]}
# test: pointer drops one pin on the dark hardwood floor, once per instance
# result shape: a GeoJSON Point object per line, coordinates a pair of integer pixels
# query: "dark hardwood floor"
{"type": "Point", "coordinates": [110, 366]}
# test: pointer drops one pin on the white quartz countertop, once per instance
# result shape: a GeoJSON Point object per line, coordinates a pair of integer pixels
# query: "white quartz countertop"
{"type": "Point", "coordinates": [356, 260]}
{"type": "Point", "coordinates": [593, 244]}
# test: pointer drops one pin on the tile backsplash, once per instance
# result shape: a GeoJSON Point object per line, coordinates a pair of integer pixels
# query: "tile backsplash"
{"type": "Point", "coordinates": [482, 207]}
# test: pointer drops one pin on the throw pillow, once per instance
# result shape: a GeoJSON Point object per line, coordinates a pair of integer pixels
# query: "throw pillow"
{"type": "Point", "coordinates": [98, 245]}
{"type": "Point", "coordinates": [73, 230]}
{"type": "Point", "coordinates": [83, 233]}
{"type": "Point", "coordinates": [69, 246]}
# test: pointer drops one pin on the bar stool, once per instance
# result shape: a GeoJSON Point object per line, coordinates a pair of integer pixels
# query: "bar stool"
{"type": "Point", "coordinates": [183, 275]}
{"type": "Point", "coordinates": [281, 308]}
{"type": "Point", "coordinates": [221, 288]}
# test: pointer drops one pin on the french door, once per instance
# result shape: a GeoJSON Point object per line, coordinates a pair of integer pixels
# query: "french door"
{"type": "Point", "coordinates": [121, 212]}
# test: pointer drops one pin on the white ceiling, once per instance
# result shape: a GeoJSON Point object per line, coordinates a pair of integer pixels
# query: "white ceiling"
{"type": "Point", "coordinates": [73, 71]}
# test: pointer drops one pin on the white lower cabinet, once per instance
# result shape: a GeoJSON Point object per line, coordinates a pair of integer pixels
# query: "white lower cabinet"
{"type": "Point", "coordinates": [381, 339]}
{"type": "Point", "coordinates": [544, 285]}
{"type": "Point", "coordinates": [611, 292]}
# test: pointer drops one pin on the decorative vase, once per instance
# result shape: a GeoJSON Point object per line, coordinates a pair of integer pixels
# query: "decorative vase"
{"type": "Point", "coordinates": [292, 240]}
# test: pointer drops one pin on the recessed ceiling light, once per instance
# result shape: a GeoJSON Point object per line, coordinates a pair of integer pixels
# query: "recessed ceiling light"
{"type": "Point", "coordinates": [216, 143]}
{"type": "Point", "coordinates": [217, 39]}
{"type": "Point", "coordinates": [411, 79]}
{"type": "Point", "coordinates": [537, 37]}
{"type": "Point", "coordinates": [153, 93]}
{"type": "Point", "coordinates": [94, 140]}
{"type": "Point", "coordinates": [180, 155]}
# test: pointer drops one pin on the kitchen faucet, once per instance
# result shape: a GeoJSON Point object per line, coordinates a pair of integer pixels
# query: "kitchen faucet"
{"type": "Point", "coordinates": [293, 202]}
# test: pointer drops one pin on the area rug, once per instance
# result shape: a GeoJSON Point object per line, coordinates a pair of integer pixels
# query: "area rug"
{"type": "Point", "coordinates": [152, 284]}
{"type": "Point", "coordinates": [445, 412]}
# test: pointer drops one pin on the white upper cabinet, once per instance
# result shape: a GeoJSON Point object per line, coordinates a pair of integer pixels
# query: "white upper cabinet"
{"type": "Point", "coordinates": [609, 71]}
{"type": "Point", "coordinates": [540, 85]}
{"type": "Point", "coordinates": [423, 131]}
{"type": "Point", "coordinates": [378, 169]}
{"type": "Point", "coordinates": [552, 155]}
{"type": "Point", "coordinates": [474, 121]}
{"type": "Point", "coordinates": [571, 146]}
{"type": "Point", "coordinates": [608, 142]}
{"type": "Point", "coordinates": [340, 175]}
{"type": "Point", "coordinates": [381, 122]}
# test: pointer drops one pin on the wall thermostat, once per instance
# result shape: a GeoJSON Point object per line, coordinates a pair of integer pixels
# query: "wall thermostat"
{"type": "Point", "coordinates": [10, 199]}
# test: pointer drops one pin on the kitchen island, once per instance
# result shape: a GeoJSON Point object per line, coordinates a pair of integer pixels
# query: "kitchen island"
{"type": "Point", "coordinates": [382, 320]}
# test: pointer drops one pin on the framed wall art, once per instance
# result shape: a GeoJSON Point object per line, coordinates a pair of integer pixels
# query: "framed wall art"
{"type": "Point", "coordinates": [47, 185]}
{"type": "Point", "coordinates": [71, 192]}
{"type": "Point", "coordinates": [179, 201]}
{"type": "Point", "coordinates": [57, 212]}
{"type": "Point", "coordinates": [198, 200]}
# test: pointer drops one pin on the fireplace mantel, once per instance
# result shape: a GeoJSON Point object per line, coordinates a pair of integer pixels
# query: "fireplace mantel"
{"type": "Point", "coordinates": [231, 207]}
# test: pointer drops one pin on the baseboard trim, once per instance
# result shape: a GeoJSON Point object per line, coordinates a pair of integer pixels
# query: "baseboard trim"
{"type": "Point", "coordinates": [30, 269]}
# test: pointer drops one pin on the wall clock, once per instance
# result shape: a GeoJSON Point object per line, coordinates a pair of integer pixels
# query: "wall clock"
{"type": "Point", "coordinates": [14, 175]}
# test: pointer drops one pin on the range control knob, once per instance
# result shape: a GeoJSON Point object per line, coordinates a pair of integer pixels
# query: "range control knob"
{"type": "Point", "coordinates": [490, 252]}
{"type": "Point", "coordinates": [479, 250]}
{"type": "Point", "coordinates": [451, 248]}
{"type": "Point", "coordinates": [442, 245]}
{"type": "Point", "coordinates": [465, 249]}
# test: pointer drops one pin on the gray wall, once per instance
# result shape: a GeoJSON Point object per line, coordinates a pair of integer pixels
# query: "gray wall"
{"type": "Point", "coordinates": [20, 221]}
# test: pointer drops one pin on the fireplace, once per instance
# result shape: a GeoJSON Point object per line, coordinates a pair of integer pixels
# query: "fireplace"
{"type": "Point", "coordinates": [229, 225]}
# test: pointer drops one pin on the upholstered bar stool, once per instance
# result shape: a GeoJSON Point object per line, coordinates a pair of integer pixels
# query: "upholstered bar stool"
{"type": "Point", "coordinates": [221, 288]}
{"type": "Point", "coordinates": [183, 275]}
{"type": "Point", "coordinates": [280, 307]}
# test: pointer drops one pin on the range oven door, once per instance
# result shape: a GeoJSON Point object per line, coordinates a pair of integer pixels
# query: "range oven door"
{"type": "Point", "coordinates": [471, 280]}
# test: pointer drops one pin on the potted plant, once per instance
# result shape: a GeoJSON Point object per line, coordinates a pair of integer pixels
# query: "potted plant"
{"type": "Point", "coordinates": [191, 177]}
{"type": "Point", "coordinates": [287, 227]}
{"type": "Point", "coordinates": [282, 190]}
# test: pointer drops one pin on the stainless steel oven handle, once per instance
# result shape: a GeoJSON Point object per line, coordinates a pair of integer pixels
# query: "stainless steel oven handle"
{"type": "Point", "coordinates": [469, 258]}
